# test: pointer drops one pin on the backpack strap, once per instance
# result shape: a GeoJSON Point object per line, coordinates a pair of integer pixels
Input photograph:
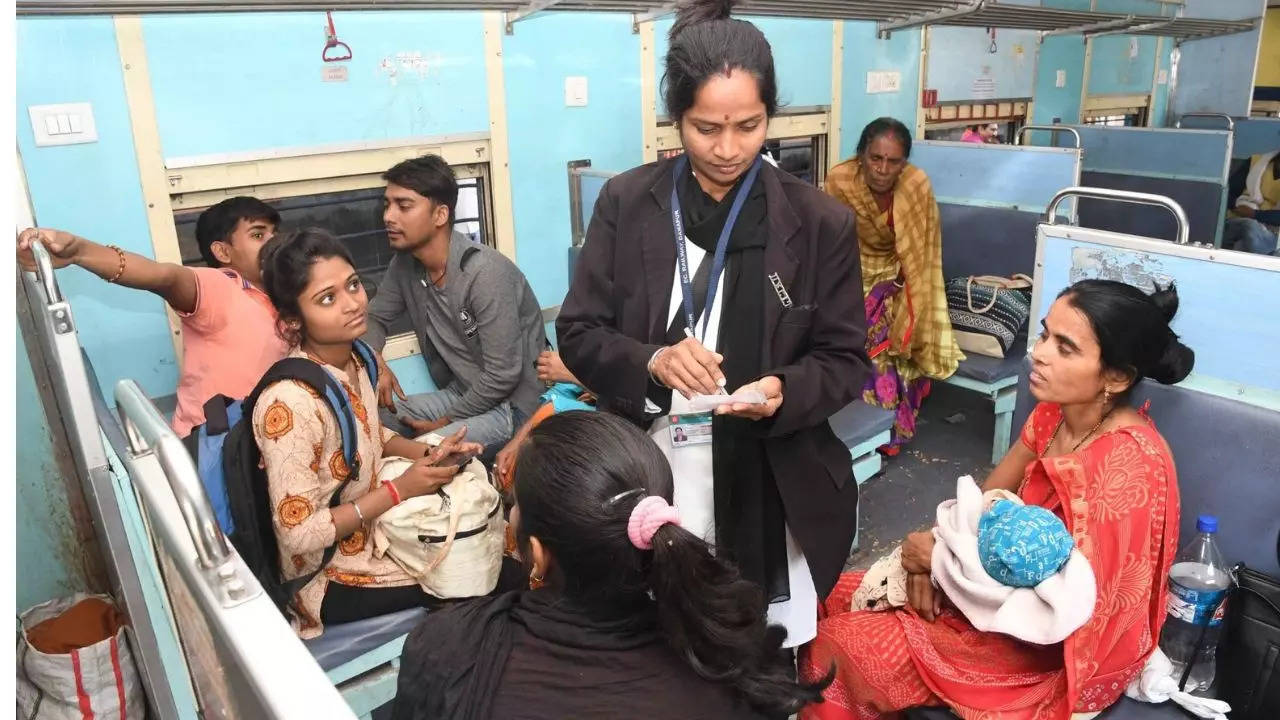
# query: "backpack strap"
{"type": "Point", "coordinates": [370, 360]}
{"type": "Point", "coordinates": [335, 396]}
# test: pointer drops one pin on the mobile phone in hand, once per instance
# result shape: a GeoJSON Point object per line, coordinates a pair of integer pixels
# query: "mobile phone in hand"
{"type": "Point", "coordinates": [458, 459]}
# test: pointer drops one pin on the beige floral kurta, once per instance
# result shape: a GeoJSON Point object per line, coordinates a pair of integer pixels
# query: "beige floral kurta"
{"type": "Point", "coordinates": [302, 452]}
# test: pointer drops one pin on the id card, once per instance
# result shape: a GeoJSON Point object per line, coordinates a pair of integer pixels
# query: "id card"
{"type": "Point", "coordinates": [690, 429]}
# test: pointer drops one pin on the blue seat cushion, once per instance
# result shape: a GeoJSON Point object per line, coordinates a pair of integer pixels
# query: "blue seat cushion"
{"type": "Point", "coordinates": [990, 369]}
{"type": "Point", "coordinates": [1124, 709]}
{"type": "Point", "coordinates": [343, 643]}
{"type": "Point", "coordinates": [858, 422]}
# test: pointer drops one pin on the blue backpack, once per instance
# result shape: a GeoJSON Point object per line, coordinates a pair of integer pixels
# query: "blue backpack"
{"type": "Point", "coordinates": [229, 462]}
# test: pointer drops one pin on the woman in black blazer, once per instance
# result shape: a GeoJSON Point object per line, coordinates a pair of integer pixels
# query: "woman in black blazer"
{"type": "Point", "coordinates": [763, 294]}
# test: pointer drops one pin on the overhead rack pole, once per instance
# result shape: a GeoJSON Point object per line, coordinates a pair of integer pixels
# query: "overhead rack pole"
{"type": "Point", "coordinates": [536, 6]}
{"type": "Point", "coordinates": [886, 27]}
{"type": "Point", "coordinates": [654, 14]}
{"type": "Point", "coordinates": [1126, 21]}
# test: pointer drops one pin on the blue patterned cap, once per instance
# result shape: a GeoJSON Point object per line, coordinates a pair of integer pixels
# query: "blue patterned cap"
{"type": "Point", "coordinates": [1022, 545]}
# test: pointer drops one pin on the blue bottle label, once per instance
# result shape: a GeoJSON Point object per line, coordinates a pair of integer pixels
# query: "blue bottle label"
{"type": "Point", "coordinates": [1194, 606]}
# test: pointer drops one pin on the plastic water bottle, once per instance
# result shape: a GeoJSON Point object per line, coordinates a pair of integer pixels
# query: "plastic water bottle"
{"type": "Point", "coordinates": [1198, 584]}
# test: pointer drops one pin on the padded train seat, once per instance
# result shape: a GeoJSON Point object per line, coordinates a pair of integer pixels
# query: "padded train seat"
{"type": "Point", "coordinates": [1124, 709]}
{"type": "Point", "coordinates": [341, 644]}
{"type": "Point", "coordinates": [986, 369]}
{"type": "Point", "coordinates": [858, 421]}
{"type": "Point", "coordinates": [987, 241]}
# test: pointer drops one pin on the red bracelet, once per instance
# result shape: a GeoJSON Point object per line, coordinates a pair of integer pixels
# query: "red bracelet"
{"type": "Point", "coordinates": [395, 494]}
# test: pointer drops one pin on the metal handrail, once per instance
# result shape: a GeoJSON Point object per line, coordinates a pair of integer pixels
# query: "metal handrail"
{"type": "Point", "coordinates": [1051, 129]}
{"type": "Point", "coordinates": [44, 272]}
{"type": "Point", "coordinates": [147, 431]}
{"type": "Point", "coordinates": [1123, 196]}
{"type": "Point", "coordinates": [1231, 123]}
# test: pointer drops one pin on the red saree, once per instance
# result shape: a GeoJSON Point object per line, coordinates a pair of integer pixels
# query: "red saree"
{"type": "Point", "coordinates": [1119, 498]}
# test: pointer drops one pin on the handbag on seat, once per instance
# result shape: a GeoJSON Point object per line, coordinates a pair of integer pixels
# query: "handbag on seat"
{"type": "Point", "coordinates": [988, 311]}
{"type": "Point", "coordinates": [1249, 654]}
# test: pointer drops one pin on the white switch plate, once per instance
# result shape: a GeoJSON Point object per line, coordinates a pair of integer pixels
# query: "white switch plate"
{"type": "Point", "coordinates": [1061, 80]}
{"type": "Point", "coordinates": [64, 124]}
{"type": "Point", "coordinates": [575, 91]}
{"type": "Point", "coordinates": [883, 81]}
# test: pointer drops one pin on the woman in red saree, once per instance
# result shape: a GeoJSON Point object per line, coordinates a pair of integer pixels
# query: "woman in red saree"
{"type": "Point", "coordinates": [1098, 464]}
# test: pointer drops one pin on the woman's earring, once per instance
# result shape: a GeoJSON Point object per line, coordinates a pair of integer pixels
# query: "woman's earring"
{"type": "Point", "coordinates": [535, 581]}
{"type": "Point", "coordinates": [1106, 396]}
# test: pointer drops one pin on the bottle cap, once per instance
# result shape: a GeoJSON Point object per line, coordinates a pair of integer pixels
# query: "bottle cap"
{"type": "Point", "coordinates": [1207, 524]}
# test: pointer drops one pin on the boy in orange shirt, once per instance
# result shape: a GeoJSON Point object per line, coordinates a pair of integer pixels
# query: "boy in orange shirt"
{"type": "Point", "coordinates": [229, 334]}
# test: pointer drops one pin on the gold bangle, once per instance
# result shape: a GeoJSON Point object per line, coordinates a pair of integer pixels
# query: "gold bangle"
{"type": "Point", "coordinates": [119, 270]}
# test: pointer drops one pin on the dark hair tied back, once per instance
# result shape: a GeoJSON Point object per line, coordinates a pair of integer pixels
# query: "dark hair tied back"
{"type": "Point", "coordinates": [1133, 330]}
{"type": "Point", "coordinates": [706, 41]}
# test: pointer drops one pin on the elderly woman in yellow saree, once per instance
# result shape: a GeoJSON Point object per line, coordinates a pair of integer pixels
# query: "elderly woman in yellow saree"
{"type": "Point", "coordinates": [909, 336]}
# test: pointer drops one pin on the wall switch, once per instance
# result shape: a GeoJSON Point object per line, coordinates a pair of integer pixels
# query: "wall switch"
{"type": "Point", "coordinates": [575, 91]}
{"type": "Point", "coordinates": [1061, 79]}
{"type": "Point", "coordinates": [65, 124]}
{"type": "Point", "coordinates": [883, 81]}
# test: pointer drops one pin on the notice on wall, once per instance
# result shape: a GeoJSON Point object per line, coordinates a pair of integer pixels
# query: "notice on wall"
{"type": "Point", "coordinates": [333, 72]}
{"type": "Point", "coordinates": [1162, 77]}
{"type": "Point", "coordinates": [983, 88]}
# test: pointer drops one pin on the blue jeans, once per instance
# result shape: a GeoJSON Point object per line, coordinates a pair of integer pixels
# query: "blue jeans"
{"type": "Point", "coordinates": [1248, 235]}
{"type": "Point", "coordinates": [492, 429]}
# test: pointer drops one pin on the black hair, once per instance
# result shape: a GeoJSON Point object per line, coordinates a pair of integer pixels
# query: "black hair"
{"type": "Point", "coordinates": [218, 222]}
{"type": "Point", "coordinates": [286, 262]}
{"type": "Point", "coordinates": [572, 481]}
{"type": "Point", "coordinates": [429, 176]}
{"type": "Point", "coordinates": [1133, 331]}
{"type": "Point", "coordinates": [705, 41]}
{"type": "Point", "coordinates": [885, 126]}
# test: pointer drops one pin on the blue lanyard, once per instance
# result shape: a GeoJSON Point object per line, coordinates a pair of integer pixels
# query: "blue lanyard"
{"type": "Point", "coordinates": [682, 253]}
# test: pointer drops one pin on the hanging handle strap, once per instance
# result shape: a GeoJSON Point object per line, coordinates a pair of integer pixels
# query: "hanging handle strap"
{"type": "Point", "coordinates": [331, 42]}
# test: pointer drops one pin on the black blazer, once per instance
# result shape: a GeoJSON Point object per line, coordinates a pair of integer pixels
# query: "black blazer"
{"type": "Point", "coordinates": [615, 317]}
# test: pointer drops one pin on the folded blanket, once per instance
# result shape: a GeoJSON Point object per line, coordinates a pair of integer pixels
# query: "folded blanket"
{"type": "Point", "coordinates": [1044, 614]}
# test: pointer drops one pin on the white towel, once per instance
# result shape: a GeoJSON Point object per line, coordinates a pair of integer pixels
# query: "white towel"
{"type": "Point", "coordinates": [1044, 614]}
{"type": "Point", "coordinates": [1156, 684]}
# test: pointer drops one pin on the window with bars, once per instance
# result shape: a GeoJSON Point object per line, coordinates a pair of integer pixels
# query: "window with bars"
{"type": "Point", "coordinates": [804, 157]}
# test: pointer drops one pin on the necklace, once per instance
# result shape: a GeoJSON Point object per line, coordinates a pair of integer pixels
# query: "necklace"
{"type": "Point", "coordinates": [1087, 435]}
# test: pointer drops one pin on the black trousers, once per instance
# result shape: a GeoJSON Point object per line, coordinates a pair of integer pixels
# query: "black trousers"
{"type": "Point", "coordinates": [349, 603]}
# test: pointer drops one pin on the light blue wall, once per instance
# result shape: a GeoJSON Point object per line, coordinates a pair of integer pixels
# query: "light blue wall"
{"type": "Point", "coordinates": [1216, 74]}
{"type": "Point", "coordinates": [996, 175]}
{"type": "Point", "coordinates": [958, 56]}
{"type": "Point", "coordinates": [1117, 70]}
{"type": "Point", "coordinates": [801, 57]}
{"type": "Point", "coordinates": [248, 81]}
{"type": "Point", "coordinates": [864, 52]}
{"type": "Point", "coordinates": [544, 134]}
{"type": "Point", "coordinates": [1062, 52]}
{"type": "Point", "coordinates": [93, 190]}
{"type": "Point", "coordinates": [47, 550]}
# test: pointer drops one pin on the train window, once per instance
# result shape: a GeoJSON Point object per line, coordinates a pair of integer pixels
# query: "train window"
{"type": "Point", "coordinates": [797, 140]}
{"type": "Point", "coordinates": [350, 206]}
{"type": "Point", "coordinates": [1116, 110]}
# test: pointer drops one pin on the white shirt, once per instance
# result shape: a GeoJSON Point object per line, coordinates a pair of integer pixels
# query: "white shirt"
{"type": "Point", "coordinates": [691, 467]}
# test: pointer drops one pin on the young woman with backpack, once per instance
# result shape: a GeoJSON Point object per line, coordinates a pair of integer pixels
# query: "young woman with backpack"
{"type": "Point", "coordinates": [312, 280]}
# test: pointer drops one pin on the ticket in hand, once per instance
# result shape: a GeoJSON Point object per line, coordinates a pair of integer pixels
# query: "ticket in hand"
{"type": "Point", "coordinates": [707, 403]}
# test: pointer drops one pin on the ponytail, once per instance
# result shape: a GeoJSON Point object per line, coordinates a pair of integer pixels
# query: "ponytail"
{"type": "Point", "coordinates": [715, 620]}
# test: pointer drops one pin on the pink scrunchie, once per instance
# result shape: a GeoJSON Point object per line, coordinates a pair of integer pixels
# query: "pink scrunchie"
{"type": "Point", "coordinates": [648, 515]}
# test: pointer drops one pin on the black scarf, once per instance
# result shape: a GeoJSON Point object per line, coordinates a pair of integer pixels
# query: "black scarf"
{"type": "Point", "coordinates": [453, 662]}
{"type": "Point", "coordinates": [750, 524]}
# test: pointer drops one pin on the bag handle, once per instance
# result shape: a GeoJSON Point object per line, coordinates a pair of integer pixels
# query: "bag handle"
{"type": "Point", "coordinates": [968, 294]}
{"type": "Point", "coordinates": [455, 518]}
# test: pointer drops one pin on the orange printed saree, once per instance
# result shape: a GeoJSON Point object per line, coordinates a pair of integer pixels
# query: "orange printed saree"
{"type": "Point", "coordinates": [1119, 498]}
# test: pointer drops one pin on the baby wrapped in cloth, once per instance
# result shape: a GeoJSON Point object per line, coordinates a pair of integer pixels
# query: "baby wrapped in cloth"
{"type": "Point", "coordinates": [1008, 567]}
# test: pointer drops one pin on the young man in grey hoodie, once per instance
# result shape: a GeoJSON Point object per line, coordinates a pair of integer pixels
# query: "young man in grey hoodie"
{"type": "Point", "coordinates": [477, 320]}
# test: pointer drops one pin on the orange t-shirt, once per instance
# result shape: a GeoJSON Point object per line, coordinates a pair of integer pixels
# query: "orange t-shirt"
{"type": "Point", "coordinates": [228, 343]}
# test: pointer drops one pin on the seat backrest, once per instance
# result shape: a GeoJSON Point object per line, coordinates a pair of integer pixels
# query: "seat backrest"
{"type": "Point", "coordinates": [987, 241]}
{"type": "Point", "coordinates": [1227, 454]}
{"type": "Point", "coordinates": [1203, 201]}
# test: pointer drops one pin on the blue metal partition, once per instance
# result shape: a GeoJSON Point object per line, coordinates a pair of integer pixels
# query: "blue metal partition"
{"type": "Point", "coordinates": [1189, 166]}
{"type": "Point", "coordinates": [1255, 136]}
{"type": "Point", "coordinates": [990, 198]}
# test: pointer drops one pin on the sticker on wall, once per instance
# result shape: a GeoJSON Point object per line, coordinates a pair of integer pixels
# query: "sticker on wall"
{"type": "Point", "coordinates": [1162, 77]}
{"type": "Point", "coordinates": [983, 88]}
{"type": "Point", "coordinates": [334, 73]}
{"type": "Point", "coordinates": [1133, 48]}
{"type": "Point", "coordinates": [1019, 54]}
{"type": "Point", "coordinates": [1060, 79]}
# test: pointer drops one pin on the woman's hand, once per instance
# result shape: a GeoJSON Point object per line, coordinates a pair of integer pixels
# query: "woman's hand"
{"type": "Point", "coordinates": [689, 368]}
{"type": "Point", "coordinates": [917, 552]}
{"type": "Point", "coordinates": [452, 447]}
{"type": "Point", "coordinates": [506, 461]}
{"type": "Point", "coordinates": [551, 369]}
{"type": "Point", "coordinates": [423, 478]}
{"type": "Point", "coordinates": [923, 597]}
{"type": "Point", "coordinates": [770, 386]}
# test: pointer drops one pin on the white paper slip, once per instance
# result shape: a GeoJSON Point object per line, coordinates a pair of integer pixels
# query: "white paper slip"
{"type": "Point", "coordinates": [706, 403]}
